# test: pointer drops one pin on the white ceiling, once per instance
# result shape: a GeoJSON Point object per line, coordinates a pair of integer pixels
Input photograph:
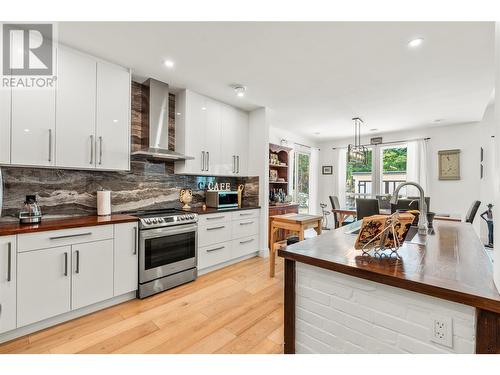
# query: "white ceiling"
{"type": "Point", "coordinates": [313, 76]}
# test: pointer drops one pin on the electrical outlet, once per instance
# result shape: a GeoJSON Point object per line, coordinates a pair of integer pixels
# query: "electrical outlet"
{"type": "Point", "coordinates": [442, 330]}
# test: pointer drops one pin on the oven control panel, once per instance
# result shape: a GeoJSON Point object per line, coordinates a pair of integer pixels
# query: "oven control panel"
{"type": "Point", "coordinates": [163, 221]}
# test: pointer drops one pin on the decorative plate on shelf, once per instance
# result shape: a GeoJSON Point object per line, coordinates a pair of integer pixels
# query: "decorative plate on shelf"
{"type": "Point", "coordinates": [449, 164]}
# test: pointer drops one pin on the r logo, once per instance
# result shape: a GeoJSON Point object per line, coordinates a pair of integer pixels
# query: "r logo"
{"type": "Point", "coordinates": [27, 49]}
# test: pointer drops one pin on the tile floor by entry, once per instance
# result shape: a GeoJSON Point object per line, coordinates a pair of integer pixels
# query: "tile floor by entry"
{"type": "Point", "coordinates": [237, 309]}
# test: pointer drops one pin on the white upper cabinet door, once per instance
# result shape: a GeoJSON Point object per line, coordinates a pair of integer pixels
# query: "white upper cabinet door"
{"type": "Point", "coordinates": [33, 126]}
{"type": "Point", "coordinates": [75, 110]}
{"type": "Point", "coordinates": [92, 273]}
{"type": "Point", "coordinates": [7, 283]}
{"type": "Point", "coordinates": [4, 126]}
{"type": "Point", "coordinates": [229, 147]}
{"type": "Point", "coordinates": [213, 137]}
{"type": "Point", "coordinates": [190, 124]}
{"type": "Point", "coordinates": [113, 117]}
{"type": "Point", "coordinates": [241, 142]}
{"type": "Point", "coordinates": [126, 258]}
{"type": "Point", "coordinates": [43, 284]}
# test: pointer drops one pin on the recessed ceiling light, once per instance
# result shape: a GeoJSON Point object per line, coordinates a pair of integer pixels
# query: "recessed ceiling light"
{"type": "Point", "coordinates": [178, 113]}
{"type": "Point", "coordinates": [240, 91]}
{"type": "Point", "coordinates": [373, 130]}
{"type": "Point", "coordinates": [415, 42]}
{"type": "Point", "coordinates": [169, 63]}
{"type": "Point", "coordinates": [203, 108]}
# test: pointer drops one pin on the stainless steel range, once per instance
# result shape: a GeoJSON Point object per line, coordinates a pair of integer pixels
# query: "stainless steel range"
{"type": "Point", "coordinates": [168, 247]}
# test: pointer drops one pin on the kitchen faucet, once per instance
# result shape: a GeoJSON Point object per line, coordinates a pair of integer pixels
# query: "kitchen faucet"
{"type": "Point", "coordinates": [422, 217]}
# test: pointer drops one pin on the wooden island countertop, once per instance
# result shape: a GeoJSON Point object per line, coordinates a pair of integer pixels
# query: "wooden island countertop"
{"type": "Point", "coordinates": [452, 266]}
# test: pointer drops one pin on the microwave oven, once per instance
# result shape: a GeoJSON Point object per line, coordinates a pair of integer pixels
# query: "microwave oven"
{"type": "Point", "coordinates": [222, 199]}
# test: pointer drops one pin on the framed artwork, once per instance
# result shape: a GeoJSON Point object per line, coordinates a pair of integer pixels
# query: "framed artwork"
{"type": "Point", "coordinates": [449, 164]}
{"type": "Point", "coordinates": [327, 169]}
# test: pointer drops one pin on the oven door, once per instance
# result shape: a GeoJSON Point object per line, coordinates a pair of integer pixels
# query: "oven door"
{"type": "Point", "coordinates": [165, 251]}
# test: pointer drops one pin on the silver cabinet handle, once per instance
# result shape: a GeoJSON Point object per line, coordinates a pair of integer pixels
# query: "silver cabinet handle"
{"type": "Point", "coordinates": [238, 164]}
{"type": "Point", "coordinates": [65, 264]}
{"type": "Point", "coordinates": [215, 249]}
{"type": "Point", "coordinates": [203, 160]}
{"type": "Point", "coordinates": [9, 261]}
{"type": "Point", "coordinates": [100, 150]}
{"type": "Point", "coordinates": [50, 145]}
{"type": "Point", "coordinates": [247, 223]}
{"type": "Point", "coordinates": [77, 269]}
{"type": "Point", "coordinates": [91, 149]}
{"type": "Point", "coordinates": [215, 217]}
{"type": "Point", "coordinates": [214, 228]}
{"type": "Point", "coordinates": [246, 214]}
{"type": "Point", "coordinates": [247, 241]}
{"type": "Point", "coordinates": [135, 241]}
{"type": "Point", "coordinates": [234, 163]}
{"type": "Point", "coordinates": [208, 161]}
{"type": "Point", "coordinates": [70, 235]}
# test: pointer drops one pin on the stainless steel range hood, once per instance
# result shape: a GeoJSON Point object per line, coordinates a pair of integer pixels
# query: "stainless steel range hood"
{"type": "Point", "coordinates": [158, 125]}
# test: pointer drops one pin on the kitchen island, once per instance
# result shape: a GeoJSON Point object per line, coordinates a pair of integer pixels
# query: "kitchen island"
{"type": "Point", "coordinates": [437, 298]}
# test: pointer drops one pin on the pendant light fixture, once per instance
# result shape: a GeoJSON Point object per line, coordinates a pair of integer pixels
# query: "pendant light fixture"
{"type": "Point", "coordinates": [356, 152]}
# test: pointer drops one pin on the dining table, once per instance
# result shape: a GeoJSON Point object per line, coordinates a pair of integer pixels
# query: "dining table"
{"type": "Point", "coordinates": [345, 212]}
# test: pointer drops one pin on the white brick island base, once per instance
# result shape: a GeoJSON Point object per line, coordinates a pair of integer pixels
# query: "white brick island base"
{"type": "Point", "coordinates": [338, 313]}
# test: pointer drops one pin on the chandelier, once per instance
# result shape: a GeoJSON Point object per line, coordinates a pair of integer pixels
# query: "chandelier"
{"type": "Point", "coordinates": [357, 153]}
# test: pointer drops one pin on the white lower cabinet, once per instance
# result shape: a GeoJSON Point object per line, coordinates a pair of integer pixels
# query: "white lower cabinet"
{"type": "Point", "coordinates": [83, 266]}
{"type": "Point", "coordinates": [223, 237]}
{"type": "Point", "coordinates": [92, 276]}
{"type": "Point", "coordinates": [8, 278]}
{"type": "Point", "coordinates": [126, 258]}
{"type": "Point", "coordinates": [43, 284]}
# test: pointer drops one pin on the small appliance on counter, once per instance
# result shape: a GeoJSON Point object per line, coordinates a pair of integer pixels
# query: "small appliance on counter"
{"type": "Point", "coordinates": [222, 199]}
{"type": "Point", "coordinates": [31, 212]}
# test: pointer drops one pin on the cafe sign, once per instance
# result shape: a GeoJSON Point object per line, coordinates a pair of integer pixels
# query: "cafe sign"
{"type": "Point", "coordinates": [215, 186]}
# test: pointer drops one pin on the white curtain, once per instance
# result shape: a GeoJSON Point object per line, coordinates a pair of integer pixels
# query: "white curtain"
{"type": "Point", "coordinates": [341, 174]}
{"type": "Point", "coordinates": [313, 181]}
{"type": "Point", "coordinates": [416, 166]}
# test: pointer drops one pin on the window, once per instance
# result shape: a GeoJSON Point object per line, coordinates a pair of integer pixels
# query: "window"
{"type": "Point", "coordinates": [301, 180]}
{"type": "Point", "coordinates": [358, 181]}
{"type": "Point", "coordinates": [393, 168]}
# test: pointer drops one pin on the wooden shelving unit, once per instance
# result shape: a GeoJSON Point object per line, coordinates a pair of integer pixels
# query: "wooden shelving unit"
{"type": "Point", "coordinates": [282, 154]}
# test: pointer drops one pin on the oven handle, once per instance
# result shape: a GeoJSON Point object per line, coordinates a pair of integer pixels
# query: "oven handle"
{"type": "Point", "coordinates": [168, 231]}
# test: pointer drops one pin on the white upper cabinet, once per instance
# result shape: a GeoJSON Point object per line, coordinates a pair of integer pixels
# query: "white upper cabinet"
{"type": "Point", "coordinates": [33, 126]}
{"type": "Point", "coordinates": [4, 126]}
{"type": "Point", "coordinates": [75, 110]}
{"type": "Point", "coordinates": [214, 133]}
{"type": "Point", "coordinates": [113, 117]}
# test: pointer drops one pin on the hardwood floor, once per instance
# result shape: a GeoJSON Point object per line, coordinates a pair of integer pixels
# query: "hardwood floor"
{"type": "Point", "coordinates": [237, 309]}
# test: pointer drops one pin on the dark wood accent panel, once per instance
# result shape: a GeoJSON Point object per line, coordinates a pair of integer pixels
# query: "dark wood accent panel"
{"type": "Point", "coordinates": [281, 210]}
{"type": "Point", "coordinates": [66, 223]}
{"type": "Point", "coordinates": [487, 332]}
{"type": "Point", "coordinates": [452, 266]}
{"type": "Point", "coordinates": [289, 313]}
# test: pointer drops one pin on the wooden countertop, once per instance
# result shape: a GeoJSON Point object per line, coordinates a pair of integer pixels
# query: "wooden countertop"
{"type": "Point", "coordinates": [453, 265]}
{"type": "Point", "coordinates": [64, 223]}
{"type": "Point", "coordinates": [211, 210]}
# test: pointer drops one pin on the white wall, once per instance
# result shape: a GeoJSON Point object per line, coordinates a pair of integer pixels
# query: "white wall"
{"type": "Point", "coordinates": [258, 165]}
{"type": "Point", "coordinates": [451, 197]}
{"type": "Point", "coordinates": [496, 177]}
{"type": "Point", "coordinates": [337, 313]}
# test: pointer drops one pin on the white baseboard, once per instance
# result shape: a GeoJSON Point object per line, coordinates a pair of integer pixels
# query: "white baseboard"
{"type": "Point", "coordinates": [22, 331]}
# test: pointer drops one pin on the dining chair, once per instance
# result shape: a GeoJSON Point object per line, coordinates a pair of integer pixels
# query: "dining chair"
{"type": "Point", "coordinates": [471, 213]}
{"type": "Point", "coordinates": [334, 201]}
{"type": "Point", "coordinates": [384, 202]}
{"type": "Point", "coordinates": [366, 207]}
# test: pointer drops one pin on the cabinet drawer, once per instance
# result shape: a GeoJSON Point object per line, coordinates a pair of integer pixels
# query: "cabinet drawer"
{"type": "Point", "coordinates": [246, 214]}
{"type": "Point", "coordinates": [211, 219]}
{"type": "Point", "coordinates": [244, 246]}
{"type": "Point", "coordinates": [245, 228]}
{"type": "Point", "coordinates": [43, 240]}
{"type": "Point", "coordinates": [214, 254]}
{"type": "Point", "coordinates": [214, 233]}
